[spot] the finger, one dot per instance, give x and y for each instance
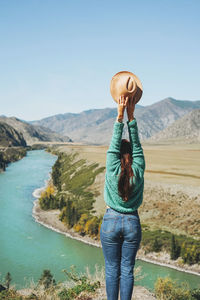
(132, 100)
(126, 102)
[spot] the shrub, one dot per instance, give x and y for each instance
(190, 253)
(47, 279)
(195, 293)
(157, 245)
(48, 199)
(167, 289)
(8, 280)
(82, 284)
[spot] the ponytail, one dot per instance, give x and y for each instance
(124, 186)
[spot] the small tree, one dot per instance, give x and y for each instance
(62, 203)
(8, 280)
(156, 245)
(175, 248)
(47, 279)
(190, 254)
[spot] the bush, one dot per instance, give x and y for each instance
(157, 245)
(82, 284)
(167, 289)
(9, 294)
(92, 226)
(89, 225)
(48, 199)
(190, 253)
(47, 279)
(196, 294)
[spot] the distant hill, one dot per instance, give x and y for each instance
(186, 128)
(156, 117)
(95, 126)
(10, 137)
(30, 133)
(91, 126)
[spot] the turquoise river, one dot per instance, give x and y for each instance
(27, 247)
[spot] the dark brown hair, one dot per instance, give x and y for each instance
(124, 186)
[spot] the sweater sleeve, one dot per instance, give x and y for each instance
(113, 153)
(137, 151)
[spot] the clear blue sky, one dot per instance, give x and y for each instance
(58, 56)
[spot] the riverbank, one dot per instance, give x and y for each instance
(50, 219)
(11, 154)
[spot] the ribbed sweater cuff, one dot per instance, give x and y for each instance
(132, 123)
(119, 124)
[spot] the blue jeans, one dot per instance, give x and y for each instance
(120, 236)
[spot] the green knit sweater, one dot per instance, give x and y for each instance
(113, 169)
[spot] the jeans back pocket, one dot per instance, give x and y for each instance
(108, 224)
(134, 224)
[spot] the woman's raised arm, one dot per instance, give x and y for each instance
(113, 153)
(137, 151)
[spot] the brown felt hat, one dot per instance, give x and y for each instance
(127, 84)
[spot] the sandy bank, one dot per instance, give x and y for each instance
(51, 220)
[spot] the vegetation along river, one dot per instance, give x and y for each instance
(27, 247)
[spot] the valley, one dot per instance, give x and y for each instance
(172, 191)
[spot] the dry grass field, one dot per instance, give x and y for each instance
(172, 185)
(176, 164)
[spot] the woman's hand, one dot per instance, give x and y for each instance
(122, 103)
(130, 108)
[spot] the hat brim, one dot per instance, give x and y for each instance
(115, 92)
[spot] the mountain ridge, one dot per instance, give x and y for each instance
(186, 128)
(94, 126)
(9, 136)
(29, 132)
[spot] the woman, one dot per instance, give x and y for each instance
(120, 232)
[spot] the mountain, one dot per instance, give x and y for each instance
(10, 137)
(95, 126)
(91, 126)
(156, 117)
(186, 128)
(33, 133)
